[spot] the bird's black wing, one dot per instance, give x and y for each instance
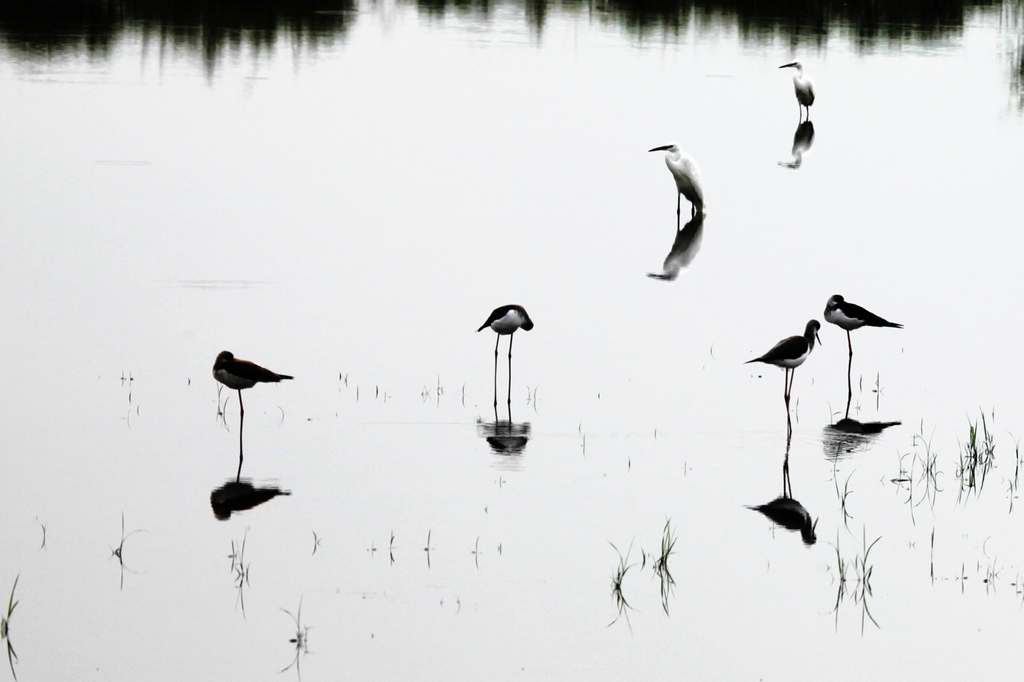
(497, 314)
(854, 311)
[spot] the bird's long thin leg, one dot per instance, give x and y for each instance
(497, 339)
(787, 488)
(241, 425)
(785, 387)
(789, 389)
(849, 376)
(679, 208)
(510, 337)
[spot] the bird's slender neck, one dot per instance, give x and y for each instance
(809, 335)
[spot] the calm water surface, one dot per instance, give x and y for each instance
(344, 193)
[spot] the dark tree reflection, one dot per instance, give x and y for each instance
(50, 28)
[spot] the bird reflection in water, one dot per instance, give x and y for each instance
(786, 511)
(802, 141)
(506, 438)
(848, 436)
(238, 495)
(684, 249)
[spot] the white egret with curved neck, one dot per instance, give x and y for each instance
(803, 86)
(689, 181)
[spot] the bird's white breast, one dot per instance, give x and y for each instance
(836, 317)
(793, 362)
(510, 322)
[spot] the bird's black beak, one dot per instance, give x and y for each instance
(660, 149)
(785, 65)
(819, 339)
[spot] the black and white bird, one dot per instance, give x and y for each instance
(803, 86)
(686, 173)
(790, 353)
(239, 375)
(850, 316)
(506, 321)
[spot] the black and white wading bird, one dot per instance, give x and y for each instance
(850, 316)
(689, 181)
(239, 375)
(790, 353)
(505, 321)
(803, 86)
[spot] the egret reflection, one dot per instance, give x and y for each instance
(684, 248)
(235, 496)
(802, 141)
(785, 511)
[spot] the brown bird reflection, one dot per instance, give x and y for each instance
(236, 495)
(684, 249)
(786, 511)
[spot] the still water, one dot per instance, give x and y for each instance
(343, 192)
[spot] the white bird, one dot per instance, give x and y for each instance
(686, 173)
(804, 87)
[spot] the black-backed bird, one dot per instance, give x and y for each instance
(790, 353)
(803, 86)
(686, 173)
(850, 316)
(239, 375)
(505, 321)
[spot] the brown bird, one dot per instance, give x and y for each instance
(241, 374)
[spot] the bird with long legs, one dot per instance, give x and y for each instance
(505, 321)
(239, 375)
(850, 316)
(789, 354)
(803, 86)
(689, 181)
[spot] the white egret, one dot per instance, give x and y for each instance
(689, 181)
(804, 87)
